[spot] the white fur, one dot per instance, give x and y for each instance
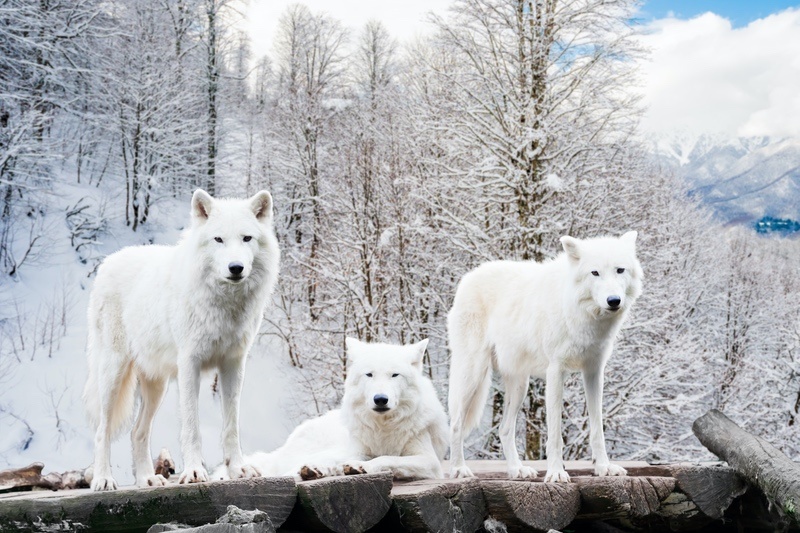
(161, 312)
(539, 319)
(409, 439)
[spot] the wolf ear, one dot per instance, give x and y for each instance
(630, 238)
(201, 205)
(419, 353)
(352, 346)
(571, 245)
(261, 203)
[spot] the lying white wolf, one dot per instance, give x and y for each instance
(390, 421)
(160, 312)
(539, 319)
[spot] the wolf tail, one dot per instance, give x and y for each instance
(470, 371)
(110, 387)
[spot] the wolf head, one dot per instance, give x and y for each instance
(232, 233)
(382, 379)
(607, 275)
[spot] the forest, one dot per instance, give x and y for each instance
(395, 168)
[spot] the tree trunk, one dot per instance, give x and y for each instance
(212, 72)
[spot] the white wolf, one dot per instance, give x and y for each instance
(539, 319)
(390, 421)
(160, 312)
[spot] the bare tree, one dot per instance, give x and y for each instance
(310, 73)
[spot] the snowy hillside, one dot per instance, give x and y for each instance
(741, 179)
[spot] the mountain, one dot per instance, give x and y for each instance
(743, 180)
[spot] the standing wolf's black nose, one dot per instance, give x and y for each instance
(236, 268)
(380, 400)
(614, 301)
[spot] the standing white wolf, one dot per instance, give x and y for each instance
(390, 421)
(160, 312)
(539, 319)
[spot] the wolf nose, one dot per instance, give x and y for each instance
(614, 301)
(380, 400)
(236, 268)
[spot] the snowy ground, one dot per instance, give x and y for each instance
(42, 417)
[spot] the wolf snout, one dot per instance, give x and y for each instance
(613, 302)
(236, 268)
(381, 401)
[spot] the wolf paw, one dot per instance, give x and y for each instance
(350, 470)
(609, 470)
(103, 483)
(523, 472)
(195, 474)
(243, 472)
(316, 471)
(556, 476)
(308, 473)
(461, 471)
(156, 480)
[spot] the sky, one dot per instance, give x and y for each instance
(724, 67)
(739, 12)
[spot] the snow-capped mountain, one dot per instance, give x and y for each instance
(742, 179)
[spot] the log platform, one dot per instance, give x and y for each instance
(675, 497)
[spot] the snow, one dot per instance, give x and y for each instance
(554, 182)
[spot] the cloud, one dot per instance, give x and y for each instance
(403, 20)
(704, 76)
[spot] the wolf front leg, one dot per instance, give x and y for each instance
(403, 467)
(418, 462)
(231, 379)
(188, 396)
(554, 401)
(593, 386)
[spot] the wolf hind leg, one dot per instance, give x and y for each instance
(114, 397)
(516, 388)
(152, 393)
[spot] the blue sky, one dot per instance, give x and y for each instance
(739, 12)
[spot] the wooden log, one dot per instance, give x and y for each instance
(440, 505)
(526, 505)
(30, 477)
(711, 488)
(755, 459)
(345, 504)
(622, 497)
(136, 509)
(24, 478)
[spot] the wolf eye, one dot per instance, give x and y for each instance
(369, 374)
(247, 238)
(218, 239)
(620, 270)
(595, 273)
(395, 375)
